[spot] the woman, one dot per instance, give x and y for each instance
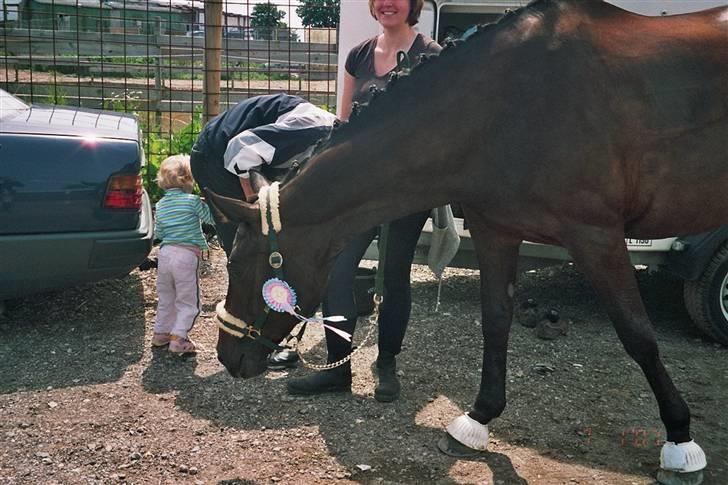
(367, 64)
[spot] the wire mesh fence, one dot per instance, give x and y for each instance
(147, 58)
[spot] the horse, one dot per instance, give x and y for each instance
(567, 122)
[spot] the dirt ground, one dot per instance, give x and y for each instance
(83, 398)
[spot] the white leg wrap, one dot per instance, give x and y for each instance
(469, 432)
(682, 457)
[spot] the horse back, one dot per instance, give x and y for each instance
(673, 101)
(632, 114)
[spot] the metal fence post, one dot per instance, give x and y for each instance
(156, 95)
(213, 58)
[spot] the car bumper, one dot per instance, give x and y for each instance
(39, 262)
(650, 252)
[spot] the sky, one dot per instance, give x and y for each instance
(246, 7)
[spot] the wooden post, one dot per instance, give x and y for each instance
(213, 59)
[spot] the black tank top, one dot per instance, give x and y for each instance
(360, 64)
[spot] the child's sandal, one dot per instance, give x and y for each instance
(179, 345)
(160, 339)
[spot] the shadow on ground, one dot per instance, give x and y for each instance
(578, 399)
(85, 335)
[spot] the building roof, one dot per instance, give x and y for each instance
(151, 5)
(75, 3)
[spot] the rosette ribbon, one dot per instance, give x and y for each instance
(280, 297)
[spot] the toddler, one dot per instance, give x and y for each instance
(178, 225)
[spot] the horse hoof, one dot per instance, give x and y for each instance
(669, 477)
(452, 447)
(681, 463)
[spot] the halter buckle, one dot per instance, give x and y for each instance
(275, 260)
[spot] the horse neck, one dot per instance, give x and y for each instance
(373, 177)
(405, 153)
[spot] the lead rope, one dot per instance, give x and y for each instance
(373, 318)
(332, 365)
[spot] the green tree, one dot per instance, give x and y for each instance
(265, 19)
(319, 13)
(286, 34)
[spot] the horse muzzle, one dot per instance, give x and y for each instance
(243, 358)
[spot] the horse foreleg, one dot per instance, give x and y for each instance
(602, 256)
(497, 258)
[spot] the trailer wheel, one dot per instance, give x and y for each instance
(706, 298)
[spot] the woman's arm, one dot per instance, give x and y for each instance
(346, 96)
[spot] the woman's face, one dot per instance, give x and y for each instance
(392, 13)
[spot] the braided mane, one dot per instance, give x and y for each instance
(360, 113)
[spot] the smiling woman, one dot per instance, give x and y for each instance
(368, 68)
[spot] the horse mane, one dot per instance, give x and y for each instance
(361, 113)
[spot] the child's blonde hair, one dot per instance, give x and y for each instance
(175, 173)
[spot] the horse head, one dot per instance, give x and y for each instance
(242, 350)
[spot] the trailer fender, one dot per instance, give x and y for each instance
(690, 263)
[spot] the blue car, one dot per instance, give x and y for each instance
(72, 205)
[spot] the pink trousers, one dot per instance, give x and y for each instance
(178, 290)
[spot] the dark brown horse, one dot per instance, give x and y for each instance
(569, 122)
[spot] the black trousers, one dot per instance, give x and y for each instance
(211, 174)
(394, 312)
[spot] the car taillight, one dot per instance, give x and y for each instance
(124, 192)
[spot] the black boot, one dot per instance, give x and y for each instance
(337, 379)
(387, 389)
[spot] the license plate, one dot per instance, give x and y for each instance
(639, 242)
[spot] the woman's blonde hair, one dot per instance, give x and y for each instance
(175, 173)
(414, 13)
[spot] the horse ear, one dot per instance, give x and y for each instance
(257, 180)
(232, 210)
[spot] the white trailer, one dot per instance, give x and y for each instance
(442, 17)
(701, 260)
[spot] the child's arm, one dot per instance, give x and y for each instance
(158, 231)
(203, 212)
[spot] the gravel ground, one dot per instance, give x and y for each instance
(84, 399)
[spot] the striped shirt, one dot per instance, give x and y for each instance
(178, 219)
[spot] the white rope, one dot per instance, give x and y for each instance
(263, 205)
(269, 195)
(373, 322)
(275, 213)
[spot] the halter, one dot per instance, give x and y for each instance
(269, 204)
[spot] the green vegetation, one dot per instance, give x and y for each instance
(319, 13)
(57, 95)
(125, 101)
(143, 60)
(157, 144)
(143, 68)
(328, 107)
(158, 147)
(265, 19)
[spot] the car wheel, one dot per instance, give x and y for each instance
(706, 298)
